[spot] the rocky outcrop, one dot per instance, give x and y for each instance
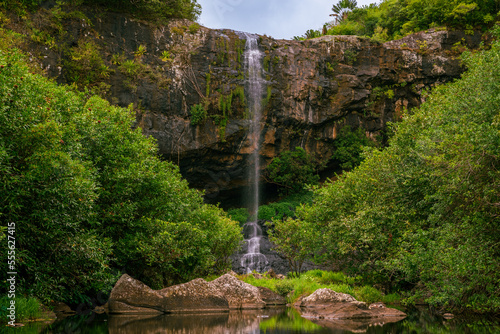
(195, 296)
(134, 297)
(240, 295)
(130, 296)
(313, 88)
(328, 304)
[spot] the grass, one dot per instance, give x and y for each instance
(293, 288)
(26, 309)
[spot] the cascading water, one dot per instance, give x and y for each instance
(253, 259)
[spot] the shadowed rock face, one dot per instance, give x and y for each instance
(313, 89)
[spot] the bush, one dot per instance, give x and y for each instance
(90, 193)
(293, 170)
(349, 147)
(284, 287)
(368, 294)
(240, 215)
(26, 308)
(198, 114)
(421, 213)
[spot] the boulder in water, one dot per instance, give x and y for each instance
(328, 304)
(195, 296)
(134, 297)
(239, 294)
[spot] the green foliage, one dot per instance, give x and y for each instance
(292, 240)
(90, 197)
(284, 287)
(369, 294)
(198, 114)
(294, 287)
(141, 51)
(193, 28)
(153, 10)
(422, 215)
(240, 215)
(349, 147)
(293, 170)
(342, 8)
(85, 66)
(27, 308)
(350, 56)
(392, 19)
(167, 57)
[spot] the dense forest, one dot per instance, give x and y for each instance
(420, 216)
(91, 199)
(393, 19)
(89, 196)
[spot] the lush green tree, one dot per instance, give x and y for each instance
(392, 19)
(147, 9)
(342, 9)
(185, 9)
(293, 170)
(293, 240)
(423, 214)
(90, 197)
(349, 147)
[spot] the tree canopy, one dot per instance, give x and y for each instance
(422, 215)
(90, 197)
(393, 19)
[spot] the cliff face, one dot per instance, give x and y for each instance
(313, 88)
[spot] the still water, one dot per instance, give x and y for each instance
(270, 321)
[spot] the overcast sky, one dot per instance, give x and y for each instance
(275, 18)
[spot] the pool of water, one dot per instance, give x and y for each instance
(269, 321)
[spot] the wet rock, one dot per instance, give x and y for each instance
(240, 295)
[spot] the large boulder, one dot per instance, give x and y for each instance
(195, 296)
(328, 304)
(240, 295)
(130, 296)
(134, 297)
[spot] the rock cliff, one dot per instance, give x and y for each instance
(313, 88)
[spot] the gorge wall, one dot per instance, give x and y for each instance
(314, 88)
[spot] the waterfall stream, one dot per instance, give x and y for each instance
(253, 259)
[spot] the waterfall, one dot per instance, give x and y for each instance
(253, 259)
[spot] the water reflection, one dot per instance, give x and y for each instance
(238, 322)
(269, 321)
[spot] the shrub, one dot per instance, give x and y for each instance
(349, 146)
(198, 114)
(89, 192)
(293, 170)
(368, 294)
(240, 215)
(284, 287)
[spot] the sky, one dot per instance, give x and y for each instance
(281, 19)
